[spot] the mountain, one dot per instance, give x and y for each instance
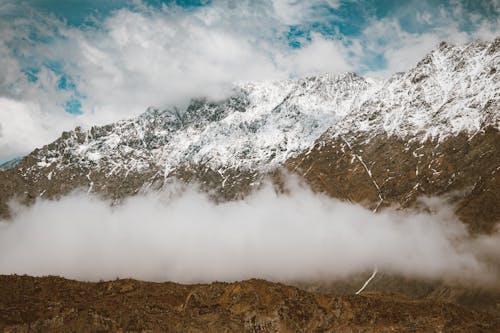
(433, 130)
(430, 131)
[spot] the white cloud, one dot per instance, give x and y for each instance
(280, 237)
(293, 12)
(402, 49)
(23, 125)
(320, 56)
(424, 17)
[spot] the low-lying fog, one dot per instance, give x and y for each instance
(188, 238)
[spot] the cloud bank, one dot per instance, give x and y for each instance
(187, 238)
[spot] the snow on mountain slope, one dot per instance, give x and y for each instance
(259, 127)
(452, 90)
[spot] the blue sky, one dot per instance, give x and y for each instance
(353, 13)
(66, 62)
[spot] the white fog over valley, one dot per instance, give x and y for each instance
(181, 235)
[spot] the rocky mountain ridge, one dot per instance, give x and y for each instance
(430, 131)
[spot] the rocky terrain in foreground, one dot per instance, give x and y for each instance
(60, 305)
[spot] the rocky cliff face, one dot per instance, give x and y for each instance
(433, 130)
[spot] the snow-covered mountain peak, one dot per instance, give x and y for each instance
(453, 89)
(260, 126)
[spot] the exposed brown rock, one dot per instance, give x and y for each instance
(389, 170)
(60, 305)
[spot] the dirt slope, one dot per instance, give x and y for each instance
(59, 305)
